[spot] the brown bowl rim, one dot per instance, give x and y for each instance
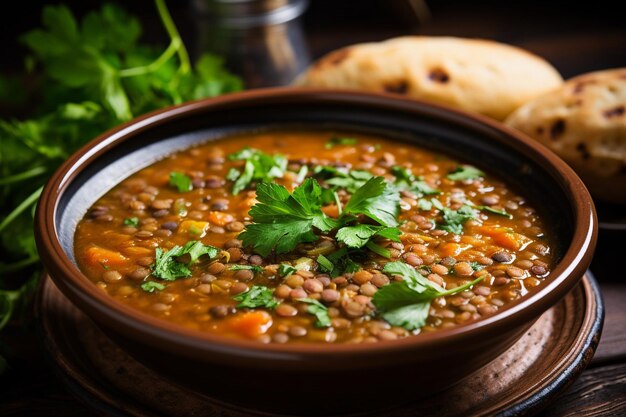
(83, 292)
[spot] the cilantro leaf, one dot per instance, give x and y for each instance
(350, 180)
(357, 236)
(465, 172)
(285, 270)
(334, 141)
(495, 211)
(283, 220)
(169, 268)
(405, 180)
(340, 261)
(407, 303)
(166, 267)
(377, 200)
(319, 310)
(255, 297)
(453, 219)
(131, 221)
(254, 268)
(259, 166)
(152, 286)
(180, 181)
(424, 204)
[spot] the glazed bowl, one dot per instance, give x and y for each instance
(315, 378)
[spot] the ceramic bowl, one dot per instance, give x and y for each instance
(315, 378)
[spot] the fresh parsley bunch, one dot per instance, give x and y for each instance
(90, 75)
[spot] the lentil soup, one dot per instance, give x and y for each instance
(314, 236)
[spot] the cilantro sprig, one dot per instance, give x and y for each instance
(465, 172)
(319, 310)
(283, 220)
(83, 77)
(407, 303)
(259, 166)
(256, 297)
(181, 181)
(337, 140)
(172, 264)
(406, 181)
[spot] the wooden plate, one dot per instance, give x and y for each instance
(521, 381)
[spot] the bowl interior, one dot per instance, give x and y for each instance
(466, 139)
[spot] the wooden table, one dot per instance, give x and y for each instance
(576, 39)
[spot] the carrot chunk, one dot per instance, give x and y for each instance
(251, 324)
(95, 255)
(220, 218)
(506, 238)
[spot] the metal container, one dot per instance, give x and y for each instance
(261, 40)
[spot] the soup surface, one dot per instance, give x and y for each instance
(318, 236)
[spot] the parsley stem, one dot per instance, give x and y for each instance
(23, 175)
(154, 65)
(16, 266)
(8, 297)
(30, 200)
(170, 27)
(338, 202)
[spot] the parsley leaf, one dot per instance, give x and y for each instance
(377, 200)
(319, 310)
(334, 141)
(405, 180)
(453, 219)
(357, 236)
(495, 211)
(325, 263)
(341, 261)
(350, 180)
(152, 286)
(424, 204)
(285, 270)
(259, 166)
(168, 267)
(465, 172)
(257, 296)
(283, 220)
(254, 268)
(407, 303)
(131, 221)
(180, 181)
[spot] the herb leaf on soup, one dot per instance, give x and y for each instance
(465, 172)
(377, 200)
(258, 166)
(256, 297)
(453, 220)
(336, 140)
(406, 303)
(152, 286)
(254, 268)
(319, 310)
(131, 221)
(180, 181)
(169, 268)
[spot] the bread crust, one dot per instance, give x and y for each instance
(584, 122)
(476, 75)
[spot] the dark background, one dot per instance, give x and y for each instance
(576, 37)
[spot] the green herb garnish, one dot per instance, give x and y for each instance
(168, 267)
(259, 167)
(254, 268)
(152, 286)
(285, 270)
(180, 181)
(495, 211)
(335, 141)
(319, 310)
(357, 236)
(255, 297)
(407, 303)
(453, 220)
(131, 221)
(325, 263)
(283, 220)
(406, 181)
(349, 180)
(465, 172)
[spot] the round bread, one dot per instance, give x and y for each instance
(584, 122)
(469, 74)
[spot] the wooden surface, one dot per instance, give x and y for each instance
(576, 38)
